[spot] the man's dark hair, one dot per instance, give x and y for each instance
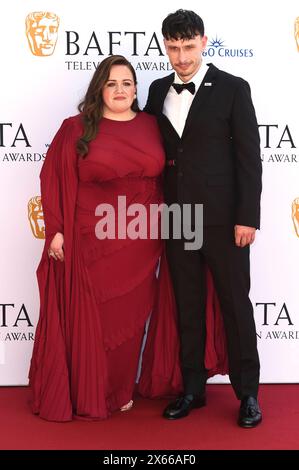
(182, 24)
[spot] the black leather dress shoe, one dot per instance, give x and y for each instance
(250, 414)
(183, 405)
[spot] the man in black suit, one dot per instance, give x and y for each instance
(211, 139)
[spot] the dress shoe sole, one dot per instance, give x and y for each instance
(248, 426)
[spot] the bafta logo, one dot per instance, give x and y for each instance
(42, 32)
(36, 217)
(295, 215)
(296, 32)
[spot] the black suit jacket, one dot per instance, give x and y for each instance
(217, 158)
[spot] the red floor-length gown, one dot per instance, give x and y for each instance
(95, 304)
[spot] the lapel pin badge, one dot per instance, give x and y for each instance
(207, 84)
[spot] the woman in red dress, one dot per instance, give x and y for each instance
(97, 294)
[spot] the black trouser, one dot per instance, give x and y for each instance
(230, 269)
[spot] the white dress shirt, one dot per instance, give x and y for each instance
(176, 106)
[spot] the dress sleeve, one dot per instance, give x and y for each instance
(59, 179)
(49, 376)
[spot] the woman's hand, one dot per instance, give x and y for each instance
(56, 247)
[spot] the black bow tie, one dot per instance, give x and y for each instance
(188, 86)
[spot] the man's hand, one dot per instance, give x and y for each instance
(244, 235)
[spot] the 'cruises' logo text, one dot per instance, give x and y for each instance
(217, 48)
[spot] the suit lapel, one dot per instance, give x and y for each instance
(165, 84)
(202, 95)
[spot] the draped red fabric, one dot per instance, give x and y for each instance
(94, 305)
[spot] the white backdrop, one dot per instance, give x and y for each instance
(38, 92)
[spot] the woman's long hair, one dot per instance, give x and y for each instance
(92, 105)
